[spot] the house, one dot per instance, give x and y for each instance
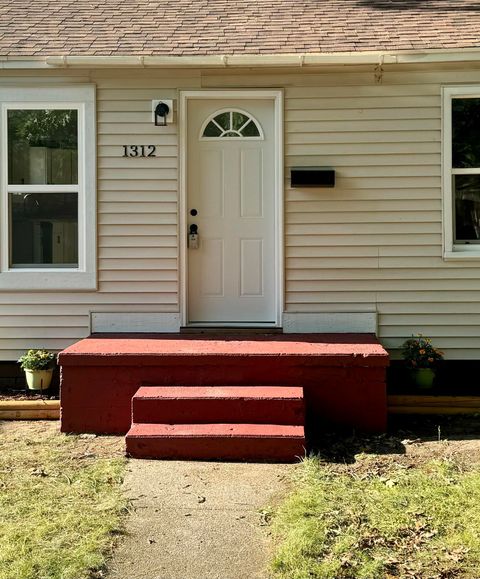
(304, 167)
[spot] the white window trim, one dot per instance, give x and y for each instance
(452, 251)
(83, 277)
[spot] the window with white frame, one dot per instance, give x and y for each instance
(461, 171)
(228, 123)
(48, 182)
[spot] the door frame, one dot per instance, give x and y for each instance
(251, 94)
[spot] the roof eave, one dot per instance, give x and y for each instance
(245, 60)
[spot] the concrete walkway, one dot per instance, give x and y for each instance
(198, 520)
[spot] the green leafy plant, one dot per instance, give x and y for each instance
(419, 353)
(37, 360)
(43, 128)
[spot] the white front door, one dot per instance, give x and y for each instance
(231, 202)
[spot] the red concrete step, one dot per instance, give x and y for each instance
(343, 375)
(227, 404)
(270, 442)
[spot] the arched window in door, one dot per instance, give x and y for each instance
(231, 123)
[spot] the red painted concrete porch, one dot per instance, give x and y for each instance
(343, 375)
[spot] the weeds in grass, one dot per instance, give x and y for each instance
(58, 511)
(410, 522)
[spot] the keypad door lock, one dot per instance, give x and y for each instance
(193, 241)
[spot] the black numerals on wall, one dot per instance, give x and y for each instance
(139, 151)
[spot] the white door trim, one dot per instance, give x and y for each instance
(277, 97)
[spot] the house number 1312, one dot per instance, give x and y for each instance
(139, 150)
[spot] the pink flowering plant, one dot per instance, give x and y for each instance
(419, 353)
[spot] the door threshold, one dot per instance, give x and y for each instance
(230, 330)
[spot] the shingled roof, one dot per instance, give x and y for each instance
(230, 27)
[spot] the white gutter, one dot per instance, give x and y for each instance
(245, 60)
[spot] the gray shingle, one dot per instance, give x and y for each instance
(203, 27)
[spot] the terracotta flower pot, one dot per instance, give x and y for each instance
(39, 379)
(423, 378)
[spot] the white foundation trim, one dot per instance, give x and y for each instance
(144, 322)
(339, 323)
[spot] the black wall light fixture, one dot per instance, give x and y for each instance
(312, 177)
(161, 113)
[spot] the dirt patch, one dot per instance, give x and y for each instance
(411, 442)
(24, 395)
(466, 454)
(87, 445)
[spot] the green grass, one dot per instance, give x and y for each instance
(420, 522)
(59, 510)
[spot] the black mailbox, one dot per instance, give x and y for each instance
(312, 177)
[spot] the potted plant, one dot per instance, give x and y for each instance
(421, 358)
(38, 366)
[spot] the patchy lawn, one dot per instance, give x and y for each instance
(383, 507)
(60, 501)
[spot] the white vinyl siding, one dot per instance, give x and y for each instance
(371, 244)
(374, 243)
(137, 213)
(137, 242)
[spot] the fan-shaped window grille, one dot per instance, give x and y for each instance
(231, 123)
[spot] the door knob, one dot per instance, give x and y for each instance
(193, 229)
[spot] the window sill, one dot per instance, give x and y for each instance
(462, 255)
(46, 280)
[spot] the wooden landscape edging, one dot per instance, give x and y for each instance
(29, 409)
(397, 404)
(417, 404)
